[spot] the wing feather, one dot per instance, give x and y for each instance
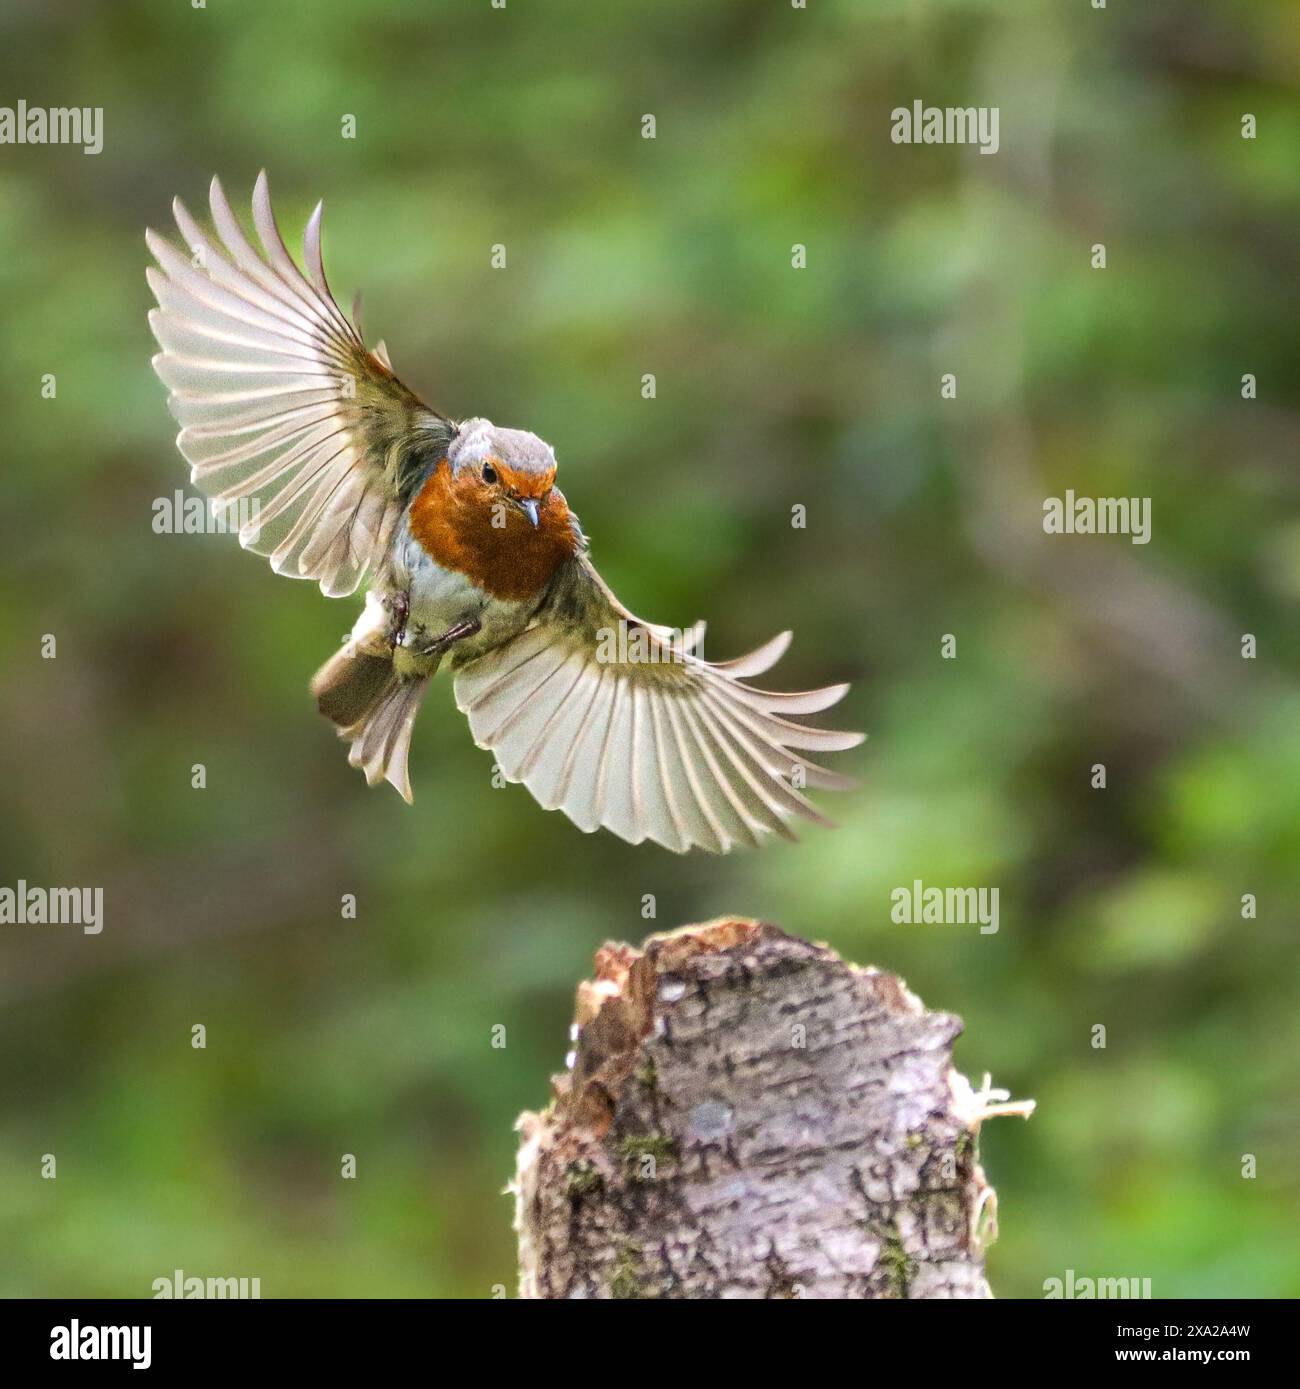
(678, 831)
(758, 661)
(713, 837)
(651, 806)
(543, 769)
(662, 745)
(246, 259)
(762, 795)
(812, 774)
(772, 768)
(524, 715)
(279, 402)
(586, 766)
(803, 702)
(728, 807)
(563, 709)
(614, 803)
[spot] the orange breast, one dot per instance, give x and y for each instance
(513, 560)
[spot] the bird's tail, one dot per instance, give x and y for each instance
(374, 708)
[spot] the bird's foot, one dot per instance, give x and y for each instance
(450, 637)
(398, 607)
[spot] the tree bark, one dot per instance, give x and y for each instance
(746, 1115)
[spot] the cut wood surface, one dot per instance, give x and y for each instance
(746, 1115)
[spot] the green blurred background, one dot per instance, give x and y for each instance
(775, 387)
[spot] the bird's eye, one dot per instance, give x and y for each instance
(489, 474)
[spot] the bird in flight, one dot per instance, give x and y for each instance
(470, 553)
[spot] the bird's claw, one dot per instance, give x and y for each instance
(398, 606)
(452, 635)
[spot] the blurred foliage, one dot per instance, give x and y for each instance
(776, 387)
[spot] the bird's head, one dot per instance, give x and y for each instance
(491, 510)
(506, 469)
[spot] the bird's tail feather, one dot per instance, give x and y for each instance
(375, 711)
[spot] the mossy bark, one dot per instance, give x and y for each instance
(746, 1115)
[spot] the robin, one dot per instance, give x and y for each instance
(471, 554)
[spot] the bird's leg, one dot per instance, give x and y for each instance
(398, 606)
(452, 635)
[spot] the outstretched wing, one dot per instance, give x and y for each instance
(278, 399)
(616, 723)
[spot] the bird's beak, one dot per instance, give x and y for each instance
(529, 508)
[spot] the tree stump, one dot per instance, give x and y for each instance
(746, 1115)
